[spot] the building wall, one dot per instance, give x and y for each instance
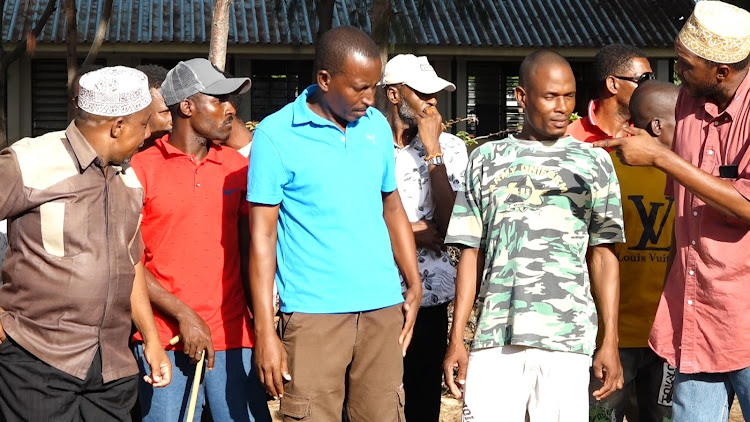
(451, 105)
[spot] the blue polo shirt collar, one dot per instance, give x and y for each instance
(302, 114)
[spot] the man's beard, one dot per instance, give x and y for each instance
(711, 92)
(406, 113)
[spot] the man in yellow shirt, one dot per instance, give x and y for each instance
(644, 259)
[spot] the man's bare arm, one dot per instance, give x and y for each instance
(430, 127)
(443, 197)
(143, 318)
(243, 227)
(405, 253)
(195, 334)
(643, 150)
(468, 278)
(605, 283)
(270, 355)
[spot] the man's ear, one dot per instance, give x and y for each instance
(520, 96)
(722, 71)
(117, 127)
(655, 126)
(186, 107)
(393, 94)
(324, 80)
(612, 84)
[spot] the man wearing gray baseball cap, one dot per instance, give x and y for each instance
(194, 221)
(199, 76)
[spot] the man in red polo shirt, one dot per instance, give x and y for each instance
(194, 223)
(618, 69)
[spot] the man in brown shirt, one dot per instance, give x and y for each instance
(65, 308)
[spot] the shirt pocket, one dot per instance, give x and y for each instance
(64, 228)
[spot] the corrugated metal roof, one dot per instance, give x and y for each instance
(471, 23)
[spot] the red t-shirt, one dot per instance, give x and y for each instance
(190, 215)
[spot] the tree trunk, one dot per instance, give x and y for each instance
(219, 34)
(71, 39)
(7, 58)
(101, 33)
(381, 18)
(325, 16)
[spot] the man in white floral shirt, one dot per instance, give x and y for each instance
(430, 166)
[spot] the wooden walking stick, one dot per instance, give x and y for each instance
(196, 381)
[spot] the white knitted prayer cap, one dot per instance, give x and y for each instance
(717, 31)
(113, 91)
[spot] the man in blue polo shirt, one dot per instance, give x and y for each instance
(327, 221)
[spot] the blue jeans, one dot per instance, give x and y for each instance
(708, 397)
(232, 389)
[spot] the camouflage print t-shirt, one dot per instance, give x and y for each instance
(535, 207)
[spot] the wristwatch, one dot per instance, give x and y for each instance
(436, 161)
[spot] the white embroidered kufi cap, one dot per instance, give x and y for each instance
(718, 32)
(114, 91)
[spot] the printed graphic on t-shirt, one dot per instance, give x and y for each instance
(649, 218)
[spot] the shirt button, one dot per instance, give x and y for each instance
(716, 123)
(343, 139)
(693, 242)
(691, 272)
(198, 184)
(690, 302)
(695, 213)
(710, 152)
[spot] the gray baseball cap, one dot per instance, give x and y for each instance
(199, 75)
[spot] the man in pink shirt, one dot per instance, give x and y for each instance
(706, 301)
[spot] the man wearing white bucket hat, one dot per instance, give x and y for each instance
(74, 214)
(430, 166)
(705, 305)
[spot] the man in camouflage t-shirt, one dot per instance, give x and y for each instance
(531, 208)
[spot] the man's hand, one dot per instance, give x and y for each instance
(608, 370)
(196, 337)
(429, 127)
(427, 236)
(271, 360)
(455, 357)
(640, 149)
(410, 308)
(159, 364)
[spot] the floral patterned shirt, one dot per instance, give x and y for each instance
(412, 177)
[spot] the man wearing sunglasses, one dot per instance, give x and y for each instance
(620, 69)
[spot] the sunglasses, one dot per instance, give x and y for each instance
(648, 76)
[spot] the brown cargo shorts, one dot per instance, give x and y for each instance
(337, 358)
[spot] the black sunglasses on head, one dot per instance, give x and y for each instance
(648, 76)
